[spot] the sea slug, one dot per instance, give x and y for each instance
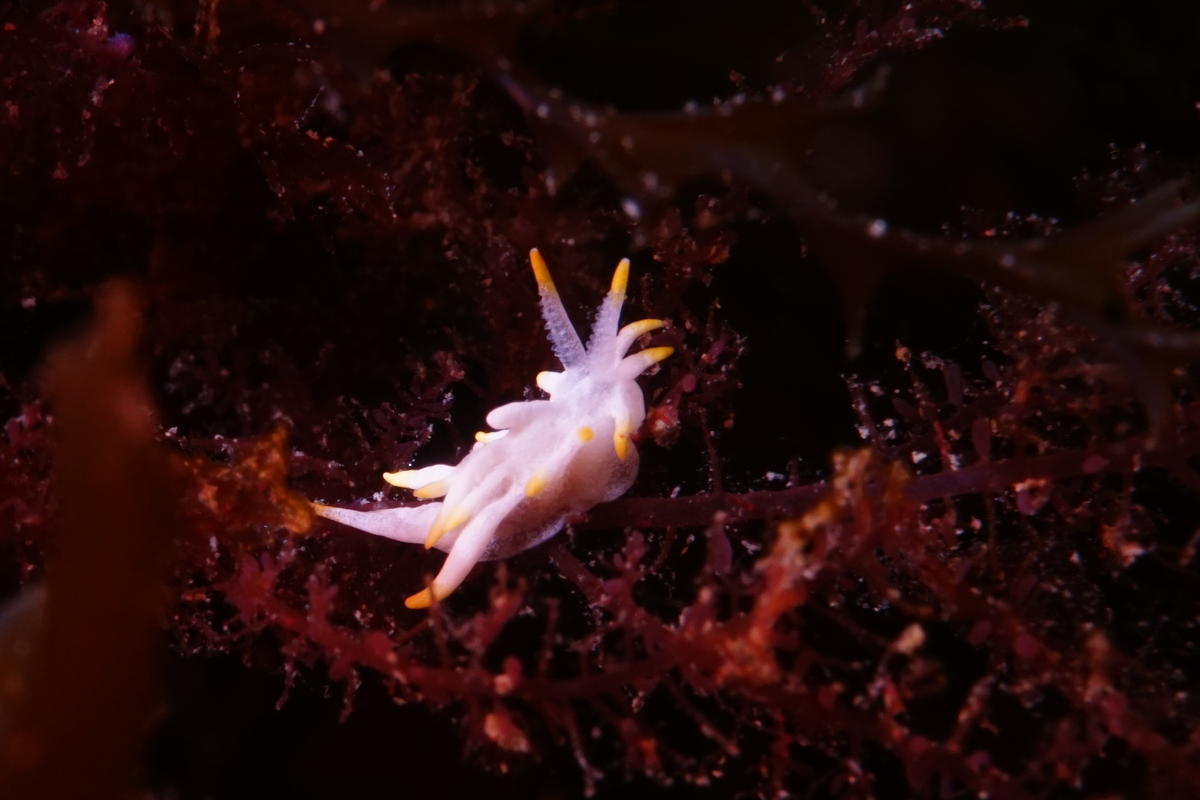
(545, 461)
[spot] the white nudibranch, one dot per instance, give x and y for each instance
(545, 462)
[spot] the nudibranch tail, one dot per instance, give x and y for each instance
(404, 524)
(563, 338)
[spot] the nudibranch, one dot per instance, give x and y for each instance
(545, 461)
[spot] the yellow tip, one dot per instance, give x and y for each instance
(621, 440)
(540, 272)
(535, 485)
(483, 437)
(435, 532)
(642, 327)
(422, 599)
(657, 354)
(431, 490)
(585, 434)
(620, 279)
(443, 524)
(401, 479)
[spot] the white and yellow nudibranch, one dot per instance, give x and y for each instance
(546, 460)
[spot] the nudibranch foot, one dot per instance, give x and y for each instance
(544, 462)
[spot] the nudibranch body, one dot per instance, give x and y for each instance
(544, 462)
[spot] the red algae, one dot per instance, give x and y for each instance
(954, 556)
(80, 666)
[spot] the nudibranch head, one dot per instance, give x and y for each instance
(544, 462)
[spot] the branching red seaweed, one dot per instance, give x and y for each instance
(918, 506)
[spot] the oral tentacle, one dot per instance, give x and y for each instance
(630, 333)
(639, 362)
